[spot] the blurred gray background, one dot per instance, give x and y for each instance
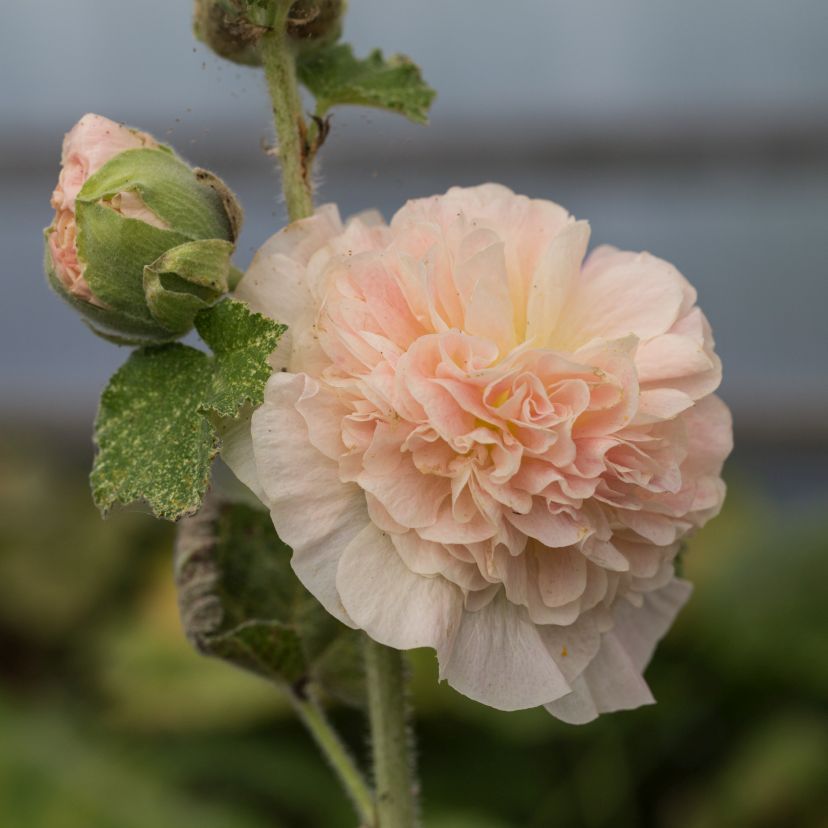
(698, 131)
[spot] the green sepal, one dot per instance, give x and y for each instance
(335, 76)
(185, 280)
(118, 327)
(232, 207)
(240, 601)
(153, 443)
(241, 341)
(115, 250)
(186, 200)
(157, 426)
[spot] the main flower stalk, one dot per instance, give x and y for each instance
(280, 70)
(396, 804)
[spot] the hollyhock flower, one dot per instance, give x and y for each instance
(479, 441)
(139, 241)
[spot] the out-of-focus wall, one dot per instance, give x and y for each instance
(697, 130)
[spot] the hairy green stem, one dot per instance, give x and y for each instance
(292, 132)
(314, 719)
(396, 800)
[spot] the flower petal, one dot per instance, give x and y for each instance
(313, 511)
(613, 679)
(499, 658)
(552, 281)
(610, 682)
(237, 452)
(275, 283)
(392, 604)
(621, 294)
(639, 630)
(489, 311)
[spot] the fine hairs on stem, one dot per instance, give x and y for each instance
(291, 130)
(339, 758)
(391, 739)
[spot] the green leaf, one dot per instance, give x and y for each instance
(240, 601)
(335, 76)
(156, 429)
(153, 443)
(241, 341)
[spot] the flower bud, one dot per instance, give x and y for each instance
(227, 30)
(140, 241)
(314, 22)
(233, 28)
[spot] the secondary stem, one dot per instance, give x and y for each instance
(331, 745)
(396, 802)
(291, 130)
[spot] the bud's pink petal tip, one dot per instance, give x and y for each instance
(91, 142)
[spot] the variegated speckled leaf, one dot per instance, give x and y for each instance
(155, 432)
(241, 341)
(154, 445)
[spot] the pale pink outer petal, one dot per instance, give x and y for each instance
(392, 604)
(443, 210)
(621, 294)
(237, 452)
(314, 512)
(276, 282)
(609, 683)
(573, 646)
(669, 356)
(638, 630)
(91, 142)
(710, 436)
(612, 680)
(499, 658)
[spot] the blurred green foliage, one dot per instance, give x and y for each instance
(110, 720)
